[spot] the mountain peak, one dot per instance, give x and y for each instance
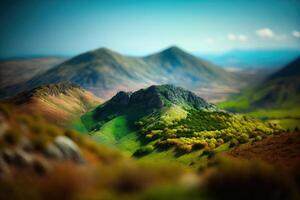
(103, 50)
(158, 96)
(173, 50)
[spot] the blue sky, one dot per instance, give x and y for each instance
(34, 27)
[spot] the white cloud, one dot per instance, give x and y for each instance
(234, 37)
(296, 34)
(231, 36)
(265, 33)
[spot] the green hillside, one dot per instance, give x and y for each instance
(169, 122)
(276, 98)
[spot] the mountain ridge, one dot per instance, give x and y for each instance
(104, 72)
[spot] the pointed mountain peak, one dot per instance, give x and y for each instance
(173, 50)
(170, 53)
(100, 53)
(104, 50)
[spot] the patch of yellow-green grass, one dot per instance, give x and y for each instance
(275, 113)
(241, 104)
(195, 159)
(286, 123)
(286, 118)
(173, 113)
(222, 148)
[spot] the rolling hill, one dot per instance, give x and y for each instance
(104, 72)
(59, 103)
(168, 122)
(278, 96)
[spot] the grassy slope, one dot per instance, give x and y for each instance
(275, 99)
(285, 112)
(114, 133)
(288, 118)
(117, 133)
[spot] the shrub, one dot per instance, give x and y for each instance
(184, 148)
(198, 146)
(143, 151)
(258, 138)
(234, 142)
(244, 138)
(220, 141)
(212, 145)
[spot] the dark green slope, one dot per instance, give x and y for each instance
(279, 91)
(276, 99)
(169, 119)
(105, 72)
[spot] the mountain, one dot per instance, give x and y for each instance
(276, 98)
(104, 72)
(169, 121)
(59, 103)
(14, 71)
(279, 90)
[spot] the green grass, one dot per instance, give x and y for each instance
(275, 113)
(290, 124)
(233, 105)
(77, 125)
(195, 159)
(116, 133)
(286, 118)
(87, 120)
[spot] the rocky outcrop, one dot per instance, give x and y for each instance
(69, 149)
(156, 97)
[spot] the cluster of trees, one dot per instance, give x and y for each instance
(203, 130)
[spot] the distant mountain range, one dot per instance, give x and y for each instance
(253, 59)
(104, 72)
(18, 70)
